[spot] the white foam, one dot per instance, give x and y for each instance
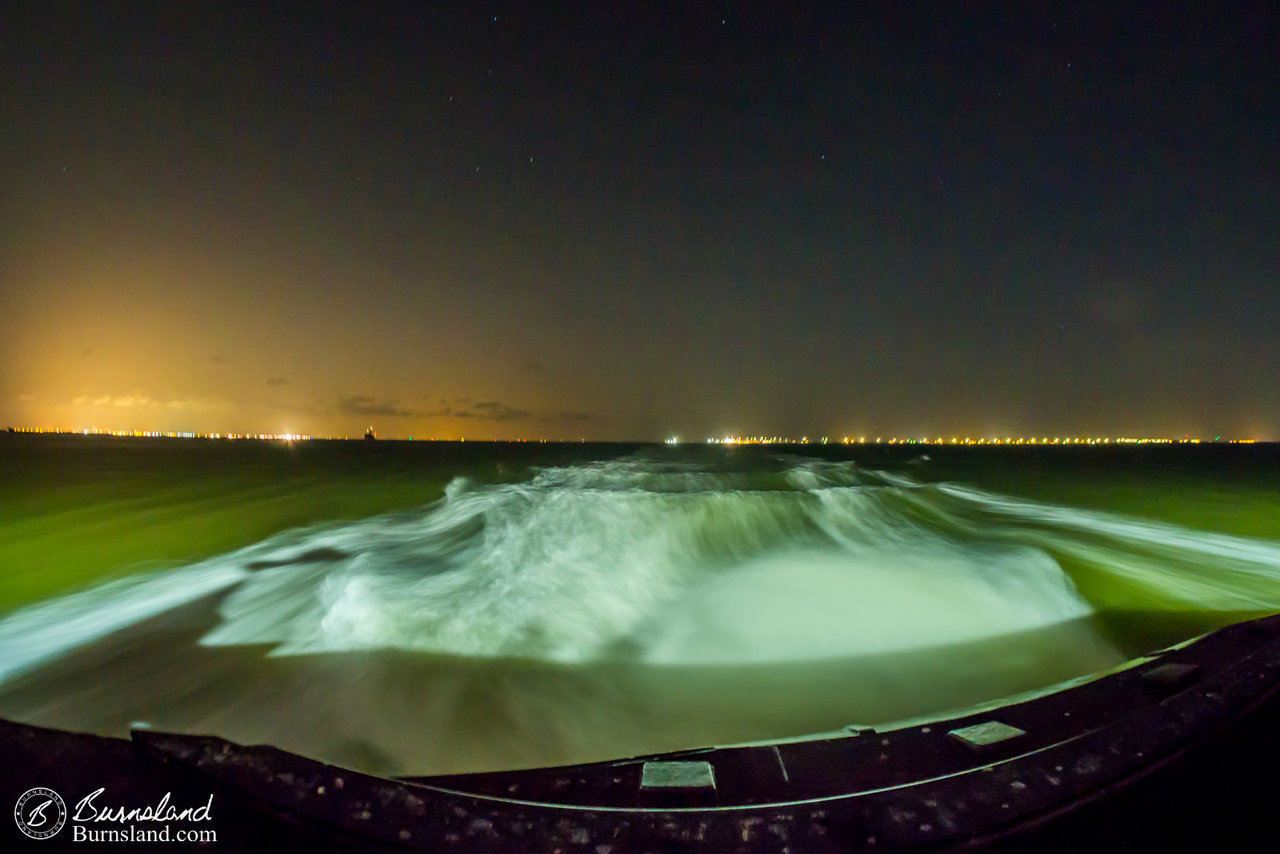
(829, 604)
(533, 570)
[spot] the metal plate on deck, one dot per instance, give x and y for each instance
(985, 734)
(683, 775)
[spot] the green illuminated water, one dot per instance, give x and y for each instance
(419, 608)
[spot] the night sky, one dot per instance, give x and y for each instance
(624, 221)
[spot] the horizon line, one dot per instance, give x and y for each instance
(727, 440)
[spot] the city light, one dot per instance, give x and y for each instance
(164, 434)
(726, 439)
(983, 440)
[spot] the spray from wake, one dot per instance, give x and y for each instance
(599, 562)
(673, 563)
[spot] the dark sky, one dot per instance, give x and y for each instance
(623, 221)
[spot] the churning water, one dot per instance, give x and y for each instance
(611, 608)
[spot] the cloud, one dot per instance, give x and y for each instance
(362, 405)
(316, 408)
(277, 381)
(496, 410)
(142, 401)
(487, 410)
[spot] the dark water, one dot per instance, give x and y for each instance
(419, 608)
